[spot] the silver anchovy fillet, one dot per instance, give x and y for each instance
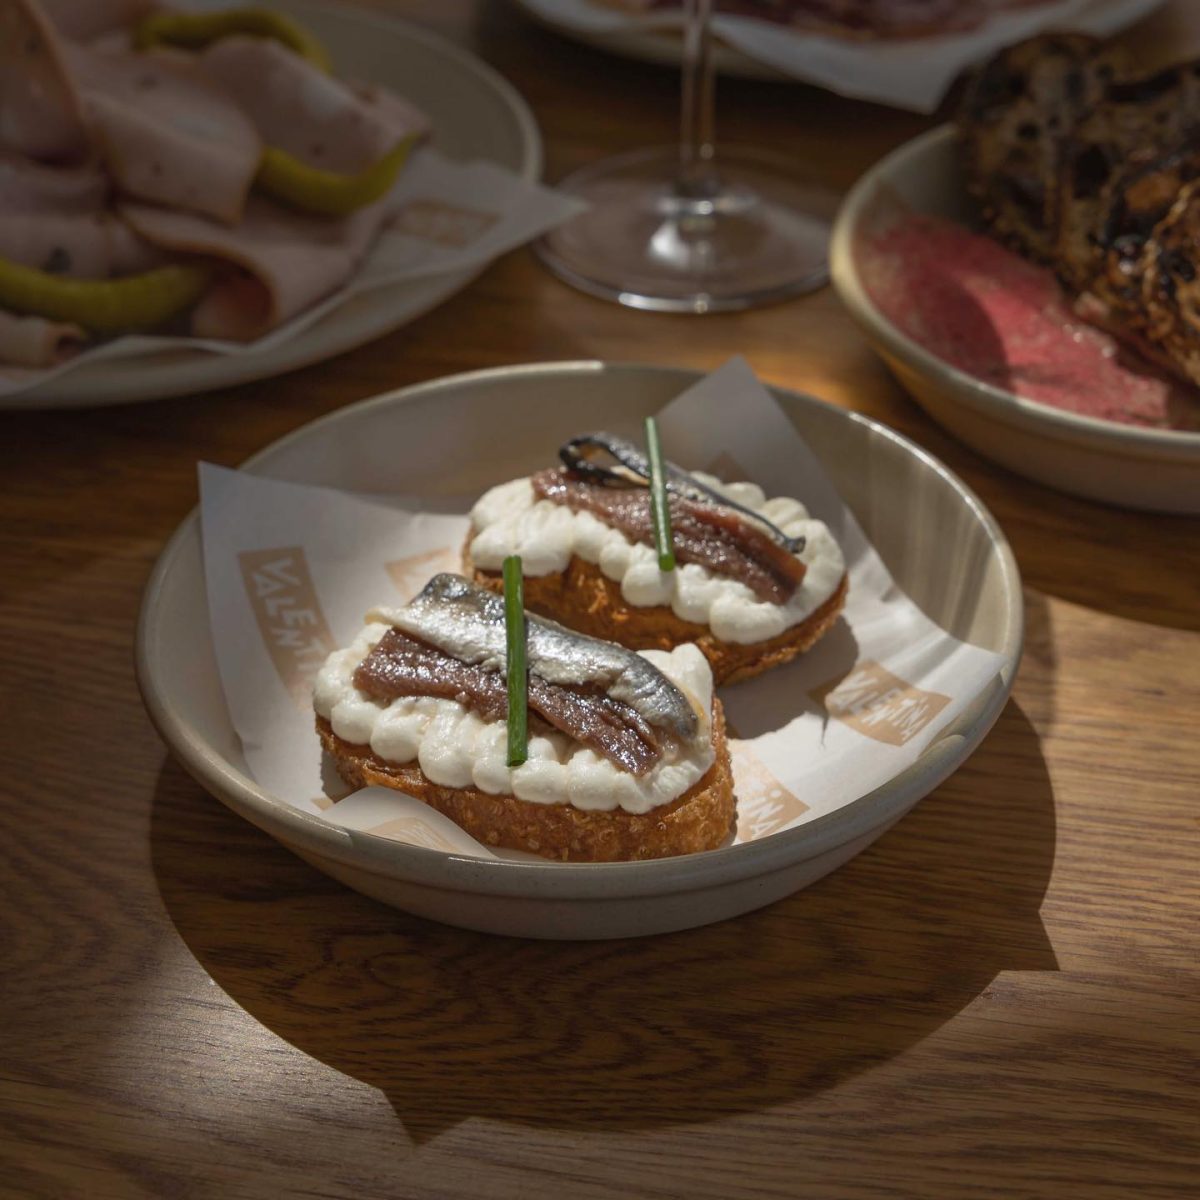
(632, 466)
(467, 622)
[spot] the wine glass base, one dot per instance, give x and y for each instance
(760, 237)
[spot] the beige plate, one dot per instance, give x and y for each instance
(467, 432)
(648, 40)
(663, 47)
(476, 114)
(1100, 460)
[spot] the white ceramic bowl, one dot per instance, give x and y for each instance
(468, 432)
(1100, 460)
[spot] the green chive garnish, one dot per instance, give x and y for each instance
(660, 508)
(518, 682)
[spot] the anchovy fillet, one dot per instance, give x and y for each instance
(581, 455)
(718, 539)
(467, 623)
(401, 666)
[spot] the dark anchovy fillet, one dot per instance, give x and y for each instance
(402, 666)
(612, 728)
(582, 455)
(701, 532)
(467, 623)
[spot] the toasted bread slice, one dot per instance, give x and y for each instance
(582, 597)
(1170, 278)
(1142, 197)
(1137, 120)
(1015, 119)
(698, 820)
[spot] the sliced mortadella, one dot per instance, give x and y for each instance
(296, 107)
(286, 261)
(58, 219)
(34, 341)
(130, 253)
(397, 116)
(82, 20)
(168, 135)
(40, 113)
(28, 186)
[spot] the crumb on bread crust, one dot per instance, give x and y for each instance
(698, 820)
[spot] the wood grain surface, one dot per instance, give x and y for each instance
(997, 999)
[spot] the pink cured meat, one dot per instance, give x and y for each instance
(1002, 320)
(35, 342)
(296, 107)
(40, 114)
(58, 219)
(287, 261)
(166, 132)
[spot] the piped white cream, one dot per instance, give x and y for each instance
(509, 519)
(456, 748)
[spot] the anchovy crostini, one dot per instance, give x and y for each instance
(757, 581)
(626, 752)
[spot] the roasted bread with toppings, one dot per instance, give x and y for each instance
(625, 757)
(1170, 291)
(756, 581)
(1090, 169)
(1136, 122)
(1140, 199)
(1016, 116)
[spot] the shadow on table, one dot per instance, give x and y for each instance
(1136, 566)
(687, 1027)
(1142, 567)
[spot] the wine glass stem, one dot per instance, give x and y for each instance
(697, 167)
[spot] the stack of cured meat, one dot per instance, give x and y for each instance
(202, 173)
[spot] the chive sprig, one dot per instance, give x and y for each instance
(660, 507)
(518, 677)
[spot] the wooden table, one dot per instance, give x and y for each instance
(999, 998)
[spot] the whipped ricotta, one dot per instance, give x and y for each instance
(510, 519)
(457, 748)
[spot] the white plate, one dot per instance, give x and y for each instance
(462, 434)
(663, 47)
(839, 64)
(1100, 460)
(476, 114)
